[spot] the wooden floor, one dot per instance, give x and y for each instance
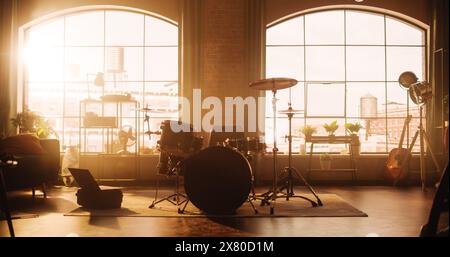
(391, 211)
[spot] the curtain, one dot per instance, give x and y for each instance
(7, 61)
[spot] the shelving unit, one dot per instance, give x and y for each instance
(107, 117)
(347, 140)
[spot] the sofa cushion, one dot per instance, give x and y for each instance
(22, 144)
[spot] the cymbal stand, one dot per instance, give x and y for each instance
(288, 182)
(269, 197)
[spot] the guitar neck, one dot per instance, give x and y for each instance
(402, 137)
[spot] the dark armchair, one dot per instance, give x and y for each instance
(34, 170)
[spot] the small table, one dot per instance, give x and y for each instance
(347, 140)
(3, 196)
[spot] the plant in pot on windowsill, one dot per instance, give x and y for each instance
(308, 131)
(325, 161)
(355, 146)
(331, 128)
(30, 122)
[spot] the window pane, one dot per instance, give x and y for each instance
(326, 100)
(366, 100)
(81, 61)
(401, 33)
(85, 29)
(325, 63)
(75, 92)
(297, 100)
(285, 62)
(401, 59)
(325, 28)
(365, 63)
(282, 132)
(45, 63)
(124, 28)
(46, 98)
(47, 34)
(397, 100)
(364, 28)
(125, 63)
(71, 132)
(289, 32)
(161, 63)
(159, 32)
(162, 96)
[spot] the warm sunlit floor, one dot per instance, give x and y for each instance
(392, 212)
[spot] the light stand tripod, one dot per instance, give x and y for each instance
(423, 138)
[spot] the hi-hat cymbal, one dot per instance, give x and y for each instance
(291, 111)
(273, 84)
(152, 110)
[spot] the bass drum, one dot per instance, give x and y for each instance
(217, 180)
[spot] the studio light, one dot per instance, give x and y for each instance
(419, 92)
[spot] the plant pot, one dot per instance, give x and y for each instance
(325, 164)
(355, 146)
(303, 149)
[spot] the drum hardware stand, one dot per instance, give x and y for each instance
(176, 198)
(287, 183)
(289, 180)
(269, 197)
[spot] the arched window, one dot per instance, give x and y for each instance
(347, 63)
(137, 52)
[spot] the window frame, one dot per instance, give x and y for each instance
(424, 28)
(22, 70)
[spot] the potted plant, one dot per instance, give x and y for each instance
(26, 121)
(331, 128)
(325, 161)
(30, 122)
(308, 131)
(355, 146)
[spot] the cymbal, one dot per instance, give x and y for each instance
(291, 111)
(151, 110)
(273, 84)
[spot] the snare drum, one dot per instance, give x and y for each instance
(178, 143)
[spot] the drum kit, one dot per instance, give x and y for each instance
(218, 179)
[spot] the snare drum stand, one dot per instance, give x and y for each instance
(178, 199)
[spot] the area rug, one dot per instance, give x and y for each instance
(135, 204)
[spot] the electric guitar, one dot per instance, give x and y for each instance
(397, 163)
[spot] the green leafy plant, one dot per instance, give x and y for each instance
(353, 128)
(331, 127)
(325, 157)
(31, 122)
(26, 121)
(308, 130)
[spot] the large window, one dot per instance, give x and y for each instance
(137, 53)
(347, 63)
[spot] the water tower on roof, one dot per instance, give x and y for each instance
(368, 109)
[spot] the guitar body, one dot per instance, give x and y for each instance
(397, 164)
